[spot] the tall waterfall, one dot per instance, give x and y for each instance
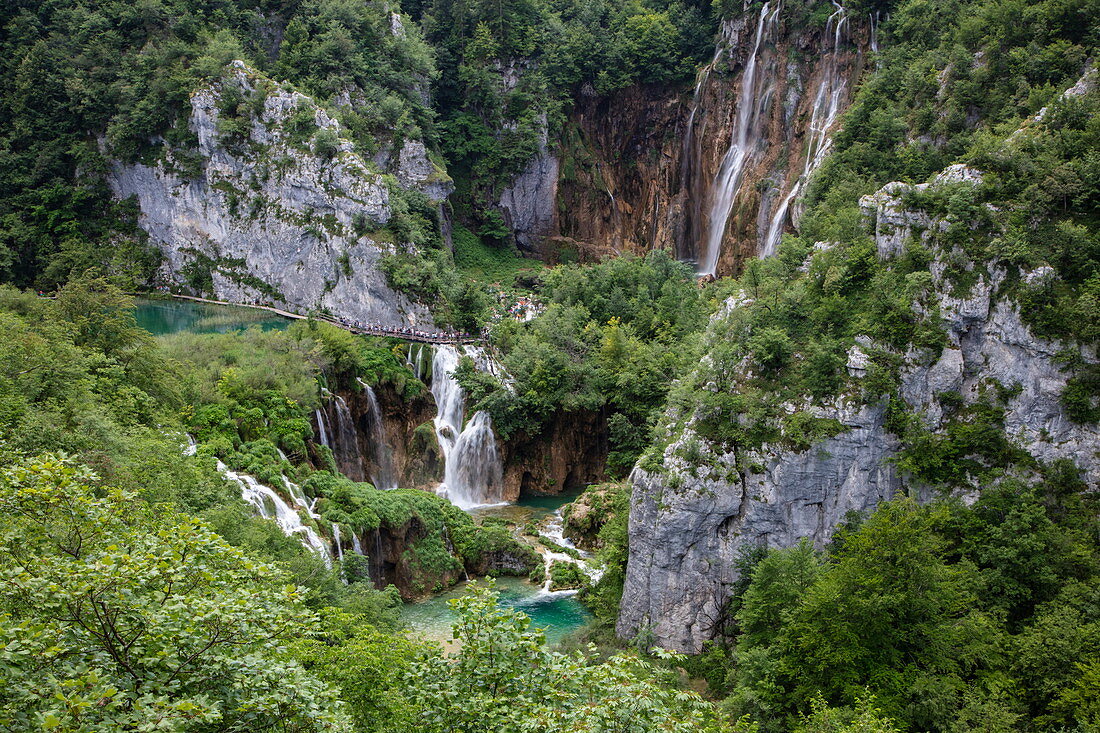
(689, 158)
(322, 431)
(826, 108)
(743, 147)
(384, 476)
(343, 440)
(473, 474)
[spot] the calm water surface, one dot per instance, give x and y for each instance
(165, 317)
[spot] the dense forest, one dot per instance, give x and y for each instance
(188, 541)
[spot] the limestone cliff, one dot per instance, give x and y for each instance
(695, 509)
(273, 204)
(647, 167)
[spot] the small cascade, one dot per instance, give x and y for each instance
(270, 505)
(384, 475)
(356, 544)
(322, 432)
(473, 474)
(554, 530)
(826, 109)
(415, 358)
(345, 441)
(747, 133)
(336, 541)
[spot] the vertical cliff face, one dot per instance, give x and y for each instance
(570, 453)
(662, 167)
(701, 504)
(272, 204)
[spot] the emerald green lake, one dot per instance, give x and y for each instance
(557, 614)
(165, 317)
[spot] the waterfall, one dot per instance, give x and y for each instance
(689, 155)
(270, 505)
(345, 441)
(473, 473)
(826, 109)
(746, 141)
(414, 357)
(384, 476)
(356, 544)
(336, 541)
(322, 433)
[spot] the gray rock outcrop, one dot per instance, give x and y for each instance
(690, 520)
(275, 206)
(530, 201)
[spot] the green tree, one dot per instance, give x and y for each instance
(116, 615)
(502, 679)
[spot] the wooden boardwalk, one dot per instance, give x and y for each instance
(409, 334)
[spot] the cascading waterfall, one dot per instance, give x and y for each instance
(554, 530)
(345, 441)
(384, 476)
(746, 142)
(322, 431)
(414, 357)
(473, 474)
(270, 505)
(826, 108)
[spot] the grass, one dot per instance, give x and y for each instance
(488, 264)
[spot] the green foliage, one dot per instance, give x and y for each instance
(366, 665)
(611, 337)
(117, 615)
(487, 263)
(941, 618)
(502, 679)
(566, 576)
(602, 598)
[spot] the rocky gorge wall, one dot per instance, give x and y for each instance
(640, 169)
(691, 518)
(267, 213)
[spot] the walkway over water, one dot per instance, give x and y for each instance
(363, 329)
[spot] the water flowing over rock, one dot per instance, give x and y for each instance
(746, 143)
(345, 439)
(270, 505)
(827, 106)
(234, 225)
(383, 475)
(473, 472)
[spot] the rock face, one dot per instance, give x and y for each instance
(570, 453)
(635, 170)
(690, 520)
(530, 202)
(274, 206)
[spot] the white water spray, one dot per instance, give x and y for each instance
(744, 146)
(826, 109)
(473, 474)
(270, 505)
